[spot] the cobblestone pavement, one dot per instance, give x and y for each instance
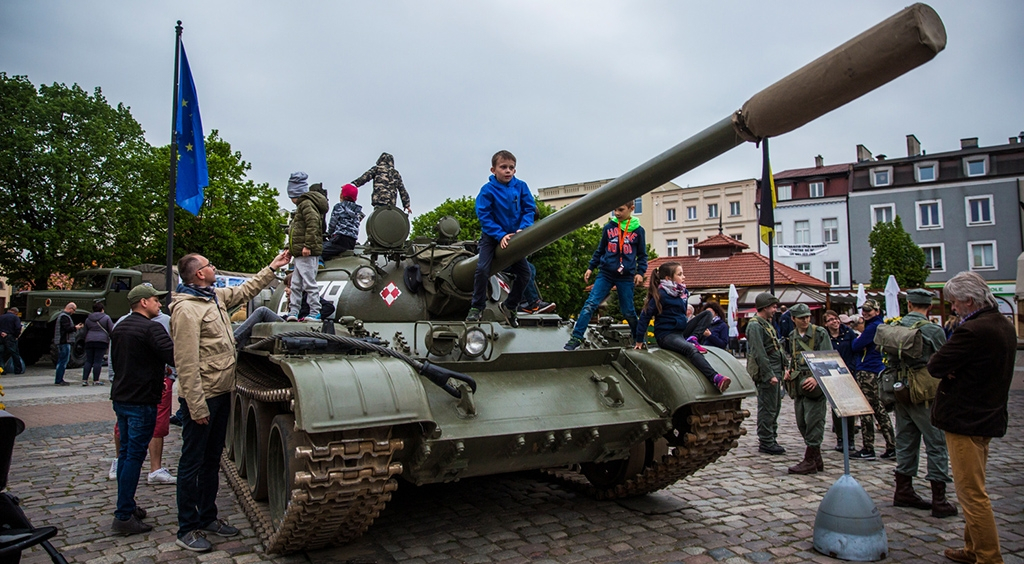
(744, 508)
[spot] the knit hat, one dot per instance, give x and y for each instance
(349, 192)
(764, 299)
(297, 184)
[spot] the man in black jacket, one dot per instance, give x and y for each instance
(139, 348)
(974, 368)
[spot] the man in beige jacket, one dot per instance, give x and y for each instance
(204, 353)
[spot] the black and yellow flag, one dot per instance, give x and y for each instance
(768, 197)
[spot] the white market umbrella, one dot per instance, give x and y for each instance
(862, 296)
(892, 297)
(734, 310)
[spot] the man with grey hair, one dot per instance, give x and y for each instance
(974, 368)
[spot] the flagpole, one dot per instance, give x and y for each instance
(174, 154)
(771, 262)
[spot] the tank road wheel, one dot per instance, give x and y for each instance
(282, 464)
(241, 407)
(258, 418)
(614, 472)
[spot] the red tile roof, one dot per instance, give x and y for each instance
(813, 171)
(741, 269)
(720, 240)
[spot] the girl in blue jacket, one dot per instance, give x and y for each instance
(666, 303)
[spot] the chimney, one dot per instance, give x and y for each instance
(880, 157)
(913, 146)
(819, 162)
(863, 154)
(969, 143)
(1013, 140)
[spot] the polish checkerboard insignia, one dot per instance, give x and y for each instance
(390, 293)
(504, 285)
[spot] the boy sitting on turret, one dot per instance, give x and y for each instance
(504, 207)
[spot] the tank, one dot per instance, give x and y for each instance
(329, 418)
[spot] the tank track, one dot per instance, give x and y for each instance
(342, 487)
(715, 428)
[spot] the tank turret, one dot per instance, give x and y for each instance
(327, 418)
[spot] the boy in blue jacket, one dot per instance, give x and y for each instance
(621, 260)
(504, 207)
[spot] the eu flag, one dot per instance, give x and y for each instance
(192, 175)
(767, 218)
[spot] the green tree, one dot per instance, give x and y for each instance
(560, 265)
(69, 164)
(896, 253)
(239, 226)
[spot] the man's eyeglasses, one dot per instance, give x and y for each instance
(208, 263)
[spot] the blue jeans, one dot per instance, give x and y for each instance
(520, 268)
(602, 287)
(199, 467)
(261, 315)
(135, 423)
(530, 294)
(676, 342)
(63, 356)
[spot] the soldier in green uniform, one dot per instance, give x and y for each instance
(913, 420)
(765, 364)
(809, 400)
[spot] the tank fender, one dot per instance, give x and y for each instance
(354, 392)
(669, 379)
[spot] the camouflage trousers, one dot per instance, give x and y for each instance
(868, 382)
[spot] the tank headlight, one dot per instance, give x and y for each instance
(40, 311)
(364, 278)
(474, 342)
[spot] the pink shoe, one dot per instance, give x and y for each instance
(693, 340)
(722, 382)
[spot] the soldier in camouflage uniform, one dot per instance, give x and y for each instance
(765, 364)
(809, 400)
(387, 183)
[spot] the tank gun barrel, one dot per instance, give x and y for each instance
(884, 52)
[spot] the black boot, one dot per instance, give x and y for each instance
(941, 507)
(905, 495)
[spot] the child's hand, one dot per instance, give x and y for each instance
(505, 240)
(638, 279)
(638, 346)
(586, 275)
(305, 251)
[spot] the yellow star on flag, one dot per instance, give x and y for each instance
(188, 146)
(184, 102)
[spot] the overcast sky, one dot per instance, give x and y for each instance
(578, 90)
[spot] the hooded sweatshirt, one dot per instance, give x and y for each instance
(622, 252)
(504, 208)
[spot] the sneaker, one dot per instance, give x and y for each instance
(474, 315)
(319, 263)
(61, 383)
(311, 318)
(139, 513)
(85, 382)
(98, 383)
(290, 318)
(130, 526)
(194, 541)
(693, 341)
(221, 528)
(161, 476)
(529, 308)
(722, 382)
(889, 454)
(112, 475)
(511, 317)
(545, 307)
(573, 344)
(864, 454)
(772, 449)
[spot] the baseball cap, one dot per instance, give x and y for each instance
(144, 290)
(870, 305)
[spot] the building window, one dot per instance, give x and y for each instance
(734, 208)
(975, 166)
(737, 236)
(784, 192)
(778, 234)
(927, 171)
(802, 233)
(929, 214)
(691, 213)
(882, 212)
(830, 230)
(638, 206)
(670, 214)
(691, 246)
(673, 247)
(982, 255)
(712, 211)
(817, 189)
(832, 273)
(933, 257)
(804, 267)
(881, 176)
(979, 210)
